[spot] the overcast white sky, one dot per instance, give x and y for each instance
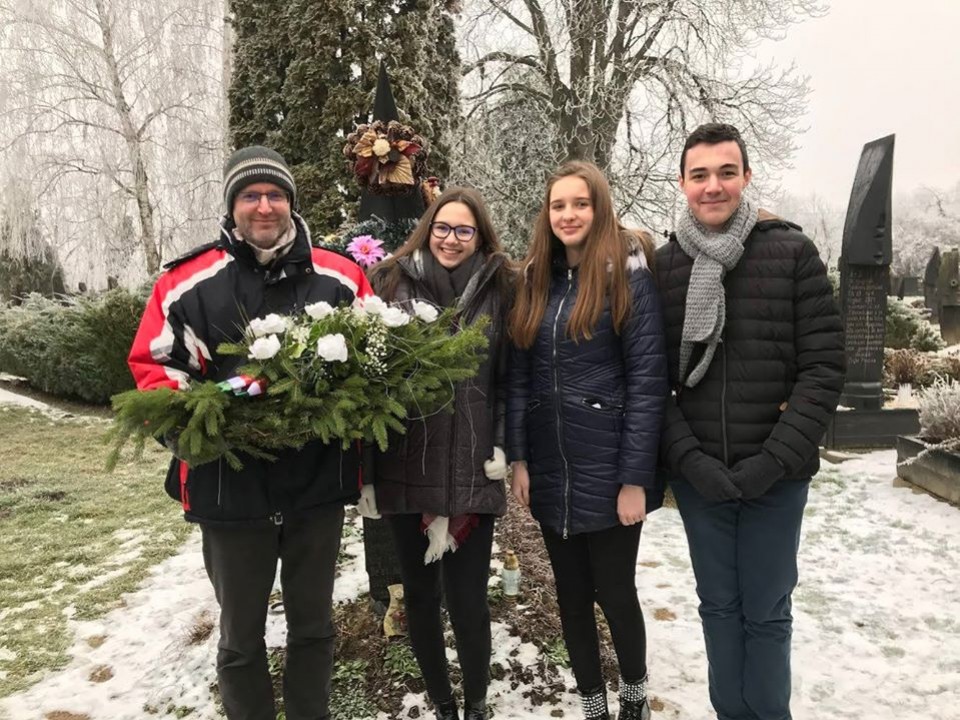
(877, 67)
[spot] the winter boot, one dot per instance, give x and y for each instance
(447, 710)
(633, 700)
(595, 704)
(475, 710)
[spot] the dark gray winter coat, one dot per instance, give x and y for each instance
(437, 466)
(586, 415)
(776, 376)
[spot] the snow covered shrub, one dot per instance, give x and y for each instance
(901, 366)
(906, 327)
(939, 367)
(940, 413)
(73, 347)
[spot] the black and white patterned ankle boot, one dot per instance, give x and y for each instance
(595, 704)
(633, 700)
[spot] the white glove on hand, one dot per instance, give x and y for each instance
(496, 467)
(367, 506)
(440, 540)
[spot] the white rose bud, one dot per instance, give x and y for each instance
(319, 310)
(395, 317)
(271, 324)
(332, 348)
(425, 311)
(264, 348)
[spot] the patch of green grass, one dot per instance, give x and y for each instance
(73, 538)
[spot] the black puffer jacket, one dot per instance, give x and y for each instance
(776, 376)
(437, 466)
(207, 298)
(586, 415)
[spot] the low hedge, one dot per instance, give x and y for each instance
(72, 347)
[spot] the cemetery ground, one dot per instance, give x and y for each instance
(106, 612)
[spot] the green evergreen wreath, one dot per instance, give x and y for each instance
(344, 374)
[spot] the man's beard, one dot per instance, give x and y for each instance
(262, 235)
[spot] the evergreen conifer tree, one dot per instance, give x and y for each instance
(304, 75)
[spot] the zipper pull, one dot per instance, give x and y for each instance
(278, 518)
(570, 274)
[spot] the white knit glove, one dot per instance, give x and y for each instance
(496, 467)
(367, 506)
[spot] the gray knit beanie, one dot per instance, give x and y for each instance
(256, 164)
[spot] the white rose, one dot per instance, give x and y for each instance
(370, 305)
(395, 317)
(271, 324)
(264, 348)
(319, 310)
(332, 348)
(425, 311)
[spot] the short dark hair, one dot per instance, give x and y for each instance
(712, 134)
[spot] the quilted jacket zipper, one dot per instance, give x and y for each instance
(557, 400)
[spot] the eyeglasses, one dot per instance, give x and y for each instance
(463, 233)
(274, 197)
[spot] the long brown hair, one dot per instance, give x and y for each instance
(387, 273)
(602, 271)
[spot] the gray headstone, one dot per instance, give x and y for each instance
(865, 274)
(948, 288)
(909, 287)
(930, 278)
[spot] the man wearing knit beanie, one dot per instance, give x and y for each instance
(259, 194)
(290, 510)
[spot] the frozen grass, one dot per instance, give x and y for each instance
(73, 539)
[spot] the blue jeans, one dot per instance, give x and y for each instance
(744, 556)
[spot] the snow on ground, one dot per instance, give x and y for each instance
(9, 398)
(877, 620)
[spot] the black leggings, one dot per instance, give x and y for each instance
(599, 567)
(464, 575)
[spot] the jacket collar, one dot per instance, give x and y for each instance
(293, 262)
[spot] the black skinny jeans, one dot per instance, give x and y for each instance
(464, 575)
(599, 567)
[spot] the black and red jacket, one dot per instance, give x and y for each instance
(206, 298)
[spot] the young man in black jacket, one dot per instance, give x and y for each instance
(756, 361)
(290, 510)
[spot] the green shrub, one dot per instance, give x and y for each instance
(72, 347)
(906, 327)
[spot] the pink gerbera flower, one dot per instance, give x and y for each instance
(366, 250)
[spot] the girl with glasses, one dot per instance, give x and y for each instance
(587, 388)
(440, 485)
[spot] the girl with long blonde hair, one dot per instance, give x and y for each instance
(586, 393)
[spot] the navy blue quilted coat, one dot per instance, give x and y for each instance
(586, 415)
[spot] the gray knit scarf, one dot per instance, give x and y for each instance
(714, 254)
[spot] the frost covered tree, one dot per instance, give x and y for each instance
(114, 106)
(304, 74)
(922, 220)
(622, 82)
